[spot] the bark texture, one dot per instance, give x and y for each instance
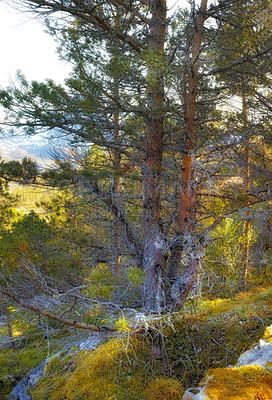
(245, 253)
(188, 245)
(154, 261)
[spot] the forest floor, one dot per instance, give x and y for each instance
(182, 347)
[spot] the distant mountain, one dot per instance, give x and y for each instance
(35, 147)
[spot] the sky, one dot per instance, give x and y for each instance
(25, 46)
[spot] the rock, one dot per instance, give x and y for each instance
(194, 394)
(250, 378)
(21, 389)
(259, 355)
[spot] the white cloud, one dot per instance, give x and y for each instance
(25, 46)
(14, 149)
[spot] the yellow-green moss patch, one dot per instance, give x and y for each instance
(15, 363)
(255, 300)
(243, 383)
(116, 370)
(164, 389)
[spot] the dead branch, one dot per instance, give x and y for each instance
(60, 319)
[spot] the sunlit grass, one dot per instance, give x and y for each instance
(16, 333)
(268, 334)
(29, 196)
(255, 297)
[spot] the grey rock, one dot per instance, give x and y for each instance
(20, 392)
(259, 355)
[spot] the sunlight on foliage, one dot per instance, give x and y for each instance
(135, 275)
(123, 325)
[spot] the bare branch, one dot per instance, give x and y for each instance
(65, 321)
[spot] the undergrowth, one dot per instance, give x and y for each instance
(216, 334)
(171, 352)
(16, 362)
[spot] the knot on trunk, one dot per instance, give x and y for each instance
(178, 289)
(194, 246)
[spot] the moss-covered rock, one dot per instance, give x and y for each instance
(250, 379)
(164, 389)
(117, 370)
(216, 334)
(171, 352)
(15, 363)
(242, 383)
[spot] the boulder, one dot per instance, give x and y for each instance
(20, 392)
(249, 379)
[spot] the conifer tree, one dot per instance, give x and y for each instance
(145, 101)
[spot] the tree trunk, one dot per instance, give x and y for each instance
(117, 180)
(154, 260)
(190, 245)
(245, 253)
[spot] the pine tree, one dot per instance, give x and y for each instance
(146, 102)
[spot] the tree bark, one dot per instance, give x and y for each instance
(189, 245)
(154, 260)
(245, 252)
(117, 157)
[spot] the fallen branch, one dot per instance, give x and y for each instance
(65, 321)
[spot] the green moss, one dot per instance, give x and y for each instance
(135, 275)
(194, 345)
(117, 370)
(164, 389)
(181, 346)
(91, 375)
(15, 363)
(256, 299)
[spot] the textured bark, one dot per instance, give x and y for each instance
(184, 284)
(190, 81)
(174, 264)
(154, 260)
(187, 196)
(117, 157)
(245, 253)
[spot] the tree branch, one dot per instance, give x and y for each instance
(86, 14)
(240, 61)
(119, 212)
(64, 321)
